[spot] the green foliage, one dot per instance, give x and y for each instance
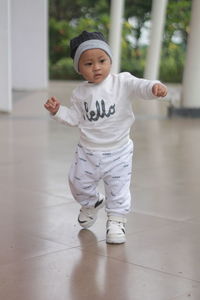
(59, 35)
(74, 9)
(173, 54)
(172, 63)
(63, 69)
(178, 17)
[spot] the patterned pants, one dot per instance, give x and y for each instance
(113, 167)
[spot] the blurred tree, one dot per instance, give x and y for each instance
(175, 40)
(70, 9)
(140, 10)
(177, 21)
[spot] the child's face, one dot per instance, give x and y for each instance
(94, 65)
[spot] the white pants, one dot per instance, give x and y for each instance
(113, 167)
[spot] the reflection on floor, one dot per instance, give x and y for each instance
(44, 255)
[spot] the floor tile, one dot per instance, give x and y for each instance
(171, 249)
(17, 246)
(193, 294)
(75, 274)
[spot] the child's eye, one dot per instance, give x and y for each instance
(102, 60)
(88, 64)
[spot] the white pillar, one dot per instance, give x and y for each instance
(116, 16)
(29, 44)
(5, 57)
(191, 77)
(156, 35)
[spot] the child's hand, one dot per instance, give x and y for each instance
(159, 90)
(52, 105)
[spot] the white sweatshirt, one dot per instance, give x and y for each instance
(103, 111)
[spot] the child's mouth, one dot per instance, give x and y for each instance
(97, 75)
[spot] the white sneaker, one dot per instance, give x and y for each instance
(88, 215)
(115, 233)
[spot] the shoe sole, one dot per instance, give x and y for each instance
(117, 241)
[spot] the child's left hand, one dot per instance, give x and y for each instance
(159, 90)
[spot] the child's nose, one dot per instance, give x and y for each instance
(96, 66)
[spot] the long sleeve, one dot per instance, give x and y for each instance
(69, 115)
(140, 88)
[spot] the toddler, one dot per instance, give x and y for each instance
(101, 107)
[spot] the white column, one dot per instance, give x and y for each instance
(156, 35)
(5, 57)
(191, 77)
(29, 44)
(116, 16)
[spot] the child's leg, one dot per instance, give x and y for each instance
(117, 179)
(84, 177)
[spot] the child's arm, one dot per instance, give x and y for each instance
(159, 90)
(63, 114)
(52, 105)
(145, 89)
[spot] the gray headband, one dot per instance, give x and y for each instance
(90, 44)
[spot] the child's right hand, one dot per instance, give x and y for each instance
(52, 105)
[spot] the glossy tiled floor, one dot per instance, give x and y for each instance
(43, 253)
